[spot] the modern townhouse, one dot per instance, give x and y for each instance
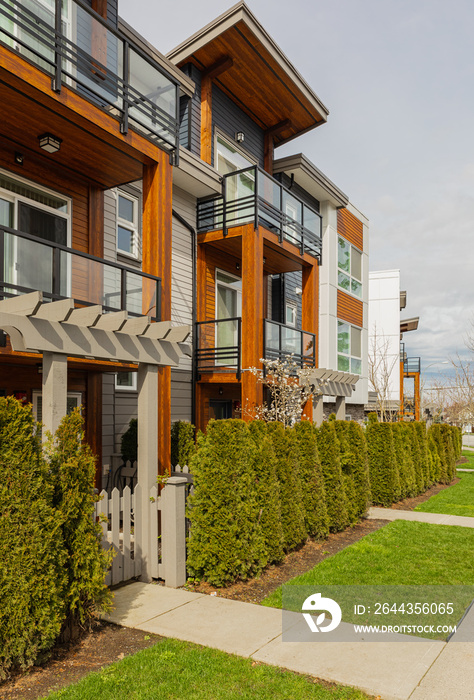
(149, 184)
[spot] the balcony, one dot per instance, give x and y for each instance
(79, 50)
(252, 196)
(30, 264)
(411, 365)
(218, 345)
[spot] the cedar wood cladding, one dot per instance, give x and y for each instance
(349, 227)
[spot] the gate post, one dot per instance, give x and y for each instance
(147, 469)
(173, 531)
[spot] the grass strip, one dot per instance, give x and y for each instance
(455, 500)
(183, 671)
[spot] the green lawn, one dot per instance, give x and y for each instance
(455, 500)
(182, 671)
(401, 553)
(469, 454)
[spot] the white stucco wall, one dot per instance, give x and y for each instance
(384, 323)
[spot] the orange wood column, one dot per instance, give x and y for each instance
(156, 260)
(93, 427)
(206, 119)
(416, 377)
(310, 315)
(252, 317)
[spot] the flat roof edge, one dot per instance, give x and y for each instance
(299, 160)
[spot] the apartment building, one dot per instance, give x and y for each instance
(149, 184)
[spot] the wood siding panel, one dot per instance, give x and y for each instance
(350, 228)
(350, 309)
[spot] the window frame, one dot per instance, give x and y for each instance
(349, 274)
(349, 355)
(132, 226)
(121, 387)
(291, 305)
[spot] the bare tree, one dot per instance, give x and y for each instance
(381, 367)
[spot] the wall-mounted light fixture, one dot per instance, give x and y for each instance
(298, 291)
(264, 260)
(237, 266)
(19, 158)
(239, 136)
(221, 391)
(49, 143)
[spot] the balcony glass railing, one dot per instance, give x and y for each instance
(287, 343)
(218, 345)
(78, 49)
(252, 196)
(29, 264)
(412, 365)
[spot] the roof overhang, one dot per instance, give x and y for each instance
(311, 179)
(403, 300)
(260, 79)
(409, 324)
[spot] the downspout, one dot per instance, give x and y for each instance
(192, 231)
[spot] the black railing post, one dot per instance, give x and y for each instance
(301, 349)
(158, 299)
(123, 290)
(282, 216)
(255, 215)
(126, 81)
(56, 281)
(2, 264)
(56, 81)
(239, 348)
(224, 206)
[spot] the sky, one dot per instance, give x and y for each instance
(398, 79)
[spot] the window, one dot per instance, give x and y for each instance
(126, 381)
(73, 400)
(127, 224)
(290, 314)
(349, 348)
(349, 263)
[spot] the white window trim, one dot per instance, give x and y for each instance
(293, 307)
(348, 274)
(127, 388)
(229, 286)
(132, 226)
(344, 354)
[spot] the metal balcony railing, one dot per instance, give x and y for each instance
(252, 196)
(412, 365)
(79, 49)
(29, 263)
(218, 345)
(287, 343)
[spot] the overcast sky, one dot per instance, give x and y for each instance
(398, 79)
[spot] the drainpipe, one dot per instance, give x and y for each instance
(192, 231)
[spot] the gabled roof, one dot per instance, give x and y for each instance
(260, 79)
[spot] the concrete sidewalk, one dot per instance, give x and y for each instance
(392, 670)
(434, 518)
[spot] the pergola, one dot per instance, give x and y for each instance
(58, 330)
(329, 382)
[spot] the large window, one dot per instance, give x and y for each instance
(127, 224)
(349, 348)
(349, 263)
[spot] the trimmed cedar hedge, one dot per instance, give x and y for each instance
(261, 489)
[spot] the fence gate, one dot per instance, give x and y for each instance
(165, 530)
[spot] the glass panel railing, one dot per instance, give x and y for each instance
(269, 209)
(239, 197)
(30, 264)
(218, 345)
(91, 57)
(286, 343)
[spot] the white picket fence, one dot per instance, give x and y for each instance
(121, 530)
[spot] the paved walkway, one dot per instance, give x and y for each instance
(434, 518)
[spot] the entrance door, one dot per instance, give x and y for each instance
(228, 305)
(220, 409)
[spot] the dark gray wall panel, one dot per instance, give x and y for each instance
(228, 117)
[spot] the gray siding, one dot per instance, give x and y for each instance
(293, 281)
(190, 114)
(228, 117)
(108, 417)
(181, 395)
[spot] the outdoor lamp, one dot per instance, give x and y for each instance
(49, 143)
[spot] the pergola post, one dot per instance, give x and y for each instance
(340, 408)
(54, 396)
(147, 456)
(318, 413)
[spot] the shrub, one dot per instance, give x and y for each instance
(72, 466)
(436, 432)
(358, 465)
(182, 443)
(336, 502)
(129, 442)
(420, 430)
(226, 539)
(435, 458)
(32, 575)
(267, 491)
(383, 470)
(416, 456)
(406, 469)
(286, 449)
(312, 481)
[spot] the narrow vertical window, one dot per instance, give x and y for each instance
(127, 225)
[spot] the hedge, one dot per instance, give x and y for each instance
(383, 468)
(329, 452)
(355, 467)
(53, 568)
(312, 481)
(182, 443)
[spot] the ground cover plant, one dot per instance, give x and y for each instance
(400, 554)
(455, 500)
(185, 671)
